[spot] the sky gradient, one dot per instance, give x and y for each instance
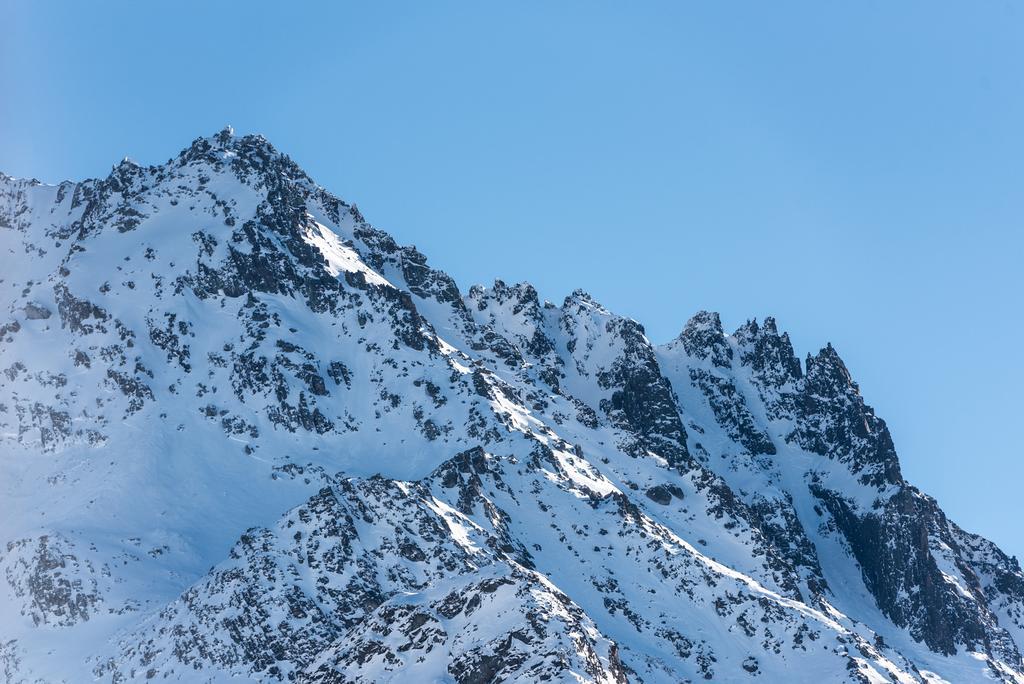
(854, 169)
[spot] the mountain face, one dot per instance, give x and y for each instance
(247, 435)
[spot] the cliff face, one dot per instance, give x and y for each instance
(246, 434)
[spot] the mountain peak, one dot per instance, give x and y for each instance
(246, 154)
(704, 338)
(225, 135)
(582, 299)
(704, 321)
(827, 371)
(420, 485)
(770, 354)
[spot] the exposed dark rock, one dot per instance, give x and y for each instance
(35, 311)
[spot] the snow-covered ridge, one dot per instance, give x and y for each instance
(246, 434)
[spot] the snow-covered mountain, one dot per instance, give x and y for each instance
(247, 435)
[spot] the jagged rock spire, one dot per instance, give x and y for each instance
(827, 375)
(703, 338)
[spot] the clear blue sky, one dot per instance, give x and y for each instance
(855, 169)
